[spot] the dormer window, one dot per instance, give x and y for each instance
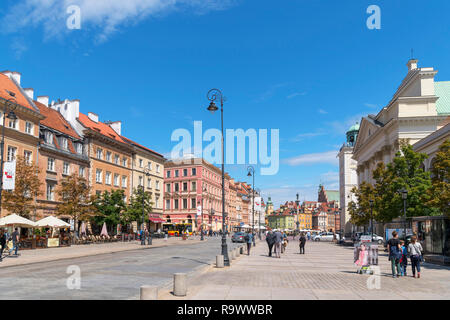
(64, 143)
(48, 137)
(79, 148)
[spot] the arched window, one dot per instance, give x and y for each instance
(168, 219)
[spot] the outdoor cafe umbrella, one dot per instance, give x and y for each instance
(104, 231)
(83, 228)
(17, 221)
(52, 222)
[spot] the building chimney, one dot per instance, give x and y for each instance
(43, 100)
(16, 76)
(93, 116)
(7, 73)
(116, 126)
(29, 92)
(412, 64)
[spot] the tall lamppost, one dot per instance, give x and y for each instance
(371, 218)
(213, 95)
(8, 103)
(404, 193)
(297, 202)
(258, 192)
(251, 173)
(146, 173)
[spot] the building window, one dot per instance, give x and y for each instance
(167, 204)
(141, 163)
(176, 173)
(13, 124)
(79, 147)
(193, 203)
(99, 154)
(149, 165)
(176, 204)
(185, 185)
(194, 171)
(157, 185)
(28, 127)
(108, 178)
(157, 202)
(50, 192)
(141, 180)
(51, 164)
(185, 204)
(48, 137)
(66, 168)
(116, 180)
(194, 186)
(124, 181)
(27, 155)
(168, 174)
(177, 187)
(124, 162)
(108, 156)
(167, 187)
(98, 176)
(11, 153)
(149, 183)
(81, 171)
(64, 143)
(116, 159)
(184, 172)
(157, 168)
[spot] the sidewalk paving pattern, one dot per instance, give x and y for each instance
(326, 271)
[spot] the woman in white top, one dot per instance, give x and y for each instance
(415, 253)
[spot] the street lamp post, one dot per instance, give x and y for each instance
(371, 218)
(143, 236)
(297, 202)
(404, 193)
(213, 95)
(251, 173)
(201, 228)
(258, 191)
(11, 116)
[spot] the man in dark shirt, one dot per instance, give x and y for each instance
(302, 243)
(270, 239)
(15, 240)
(2, 243)
(395, 251)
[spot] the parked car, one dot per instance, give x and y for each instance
(238, 237)
(326, 236)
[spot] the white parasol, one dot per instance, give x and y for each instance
(104, 230)
(52, 222)
(17, 221)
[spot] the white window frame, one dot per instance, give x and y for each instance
(124, 181)
(108, 156)
(81, 171)
(66, 168)
(28, 155)
(11, 155)
(98, 176)
(48, 137)
(108, 178)
(28, 127)
(50, 192)
(116, 179)
(51, 164)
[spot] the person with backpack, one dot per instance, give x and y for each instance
(415, 251)
(248, 239)
(395, 254)
(302, 242)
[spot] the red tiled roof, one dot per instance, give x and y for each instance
(7, 84)
(53, 119)
(140, 146)
(101, 127)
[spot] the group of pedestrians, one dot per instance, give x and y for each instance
(278, 241)
(398, 255)
(5, 238)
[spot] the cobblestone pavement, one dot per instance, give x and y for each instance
(116, 275)
(326, 271)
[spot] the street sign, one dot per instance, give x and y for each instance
(199, 210)
(9, 175)
(258, 204)
(366, 238)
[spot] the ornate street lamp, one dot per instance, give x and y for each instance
(404, 193)
(371, 218)
(213, 95)
(12, 105)
(297, 202)
(146, 173)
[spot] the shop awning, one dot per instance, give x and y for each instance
(156, 220)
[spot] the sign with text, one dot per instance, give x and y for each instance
(199, 210)
(258, 204)
(9, 175)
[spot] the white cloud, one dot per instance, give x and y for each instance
(329, 157)
(307, 135)
(322, 111)
(103, 17)
(371, 105)
(296, 94)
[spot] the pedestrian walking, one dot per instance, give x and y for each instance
(278, 242)
(308, 234)
(270, 239)
(404, 258)
(415, 251)
(15, 241)
(2, 243)
(302, 242)
(284, 242)
(395, 254)
(249, 240)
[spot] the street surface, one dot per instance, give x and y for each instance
(116, 275)
(326, 271)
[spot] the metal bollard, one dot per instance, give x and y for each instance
(232, 255)
(179, 284)
(219, 261)
(149, 293)
(241, 250)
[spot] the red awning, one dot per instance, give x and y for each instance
(156, 220)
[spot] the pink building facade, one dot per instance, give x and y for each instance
(185, 185)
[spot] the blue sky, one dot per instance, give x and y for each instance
(308, 68)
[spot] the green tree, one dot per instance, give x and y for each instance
(360, 210)
(74, 194)
(439, 193)
(134, 210)
(110, 206)
(27, 184)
